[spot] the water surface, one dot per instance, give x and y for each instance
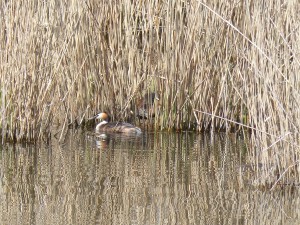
(157, 178)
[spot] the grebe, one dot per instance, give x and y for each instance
(145, 106)
(115, 127)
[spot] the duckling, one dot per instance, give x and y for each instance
(115, 127)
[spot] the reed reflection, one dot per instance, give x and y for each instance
(177, 178)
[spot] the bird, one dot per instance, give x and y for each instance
(115, 127)
(145, 106)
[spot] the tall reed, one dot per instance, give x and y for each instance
(219, 65)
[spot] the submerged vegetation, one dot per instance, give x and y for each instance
(221, 65)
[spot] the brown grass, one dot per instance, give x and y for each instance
(212, 64)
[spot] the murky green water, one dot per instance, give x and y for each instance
(159, 178)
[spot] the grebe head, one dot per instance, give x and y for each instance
(102, 116)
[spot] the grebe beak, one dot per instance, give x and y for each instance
(94, 117)
(98, 116)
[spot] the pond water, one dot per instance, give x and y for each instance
(157, 178)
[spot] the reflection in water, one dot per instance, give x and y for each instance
(161, 178)
(121, 140)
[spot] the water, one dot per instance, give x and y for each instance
(163, 178)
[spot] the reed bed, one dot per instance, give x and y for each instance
(216, 65)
